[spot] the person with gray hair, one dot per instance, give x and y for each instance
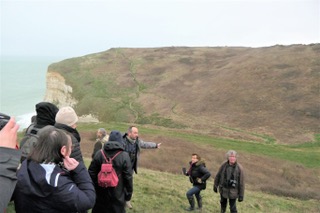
(102, 137)
(230, 182)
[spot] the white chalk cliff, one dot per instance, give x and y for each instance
(57, 91)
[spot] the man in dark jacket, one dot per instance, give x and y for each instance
(132, 145)
(112, 199)
(230, 180)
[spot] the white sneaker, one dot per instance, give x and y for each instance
(128, 205)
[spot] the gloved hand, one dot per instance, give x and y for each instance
(240, 199)
(128, 196)
(199, 180)
(215, 189)
(184, 171)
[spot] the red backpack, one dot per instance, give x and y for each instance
(107, 176)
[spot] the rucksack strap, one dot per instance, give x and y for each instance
(106, 159)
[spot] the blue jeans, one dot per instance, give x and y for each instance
(193, 191)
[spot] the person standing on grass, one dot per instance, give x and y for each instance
(102, 137)
(132, 145)
(112, 199)
(230, 182)
(198, 175)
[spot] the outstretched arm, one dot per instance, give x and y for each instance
(148, 145)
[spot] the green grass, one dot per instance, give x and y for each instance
(158, 192)
(164, 192)
(266, 138)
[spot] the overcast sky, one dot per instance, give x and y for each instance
(71, 28)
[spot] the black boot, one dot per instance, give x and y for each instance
(191, 202)
(199, 201)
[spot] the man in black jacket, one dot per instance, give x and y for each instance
(132, 145)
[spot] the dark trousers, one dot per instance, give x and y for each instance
(193, 191)
(232, 204)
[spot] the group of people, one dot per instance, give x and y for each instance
(125, 165)
(53, 178)
(229, 181)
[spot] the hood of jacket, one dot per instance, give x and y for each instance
(198, 163)
(201, 162)
(32, 178)
(113, 145)
(46, 114)
(115, 136)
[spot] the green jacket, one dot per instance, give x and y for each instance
(227, 189)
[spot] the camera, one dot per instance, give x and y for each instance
(232, 183)
(3, 120)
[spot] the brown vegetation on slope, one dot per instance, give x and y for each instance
(233, 92)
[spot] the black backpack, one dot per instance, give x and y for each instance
(28, 142)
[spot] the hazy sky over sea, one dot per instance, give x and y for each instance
(71, 28)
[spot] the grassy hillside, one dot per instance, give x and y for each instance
(165, 192)
(279, 178)
(268, 95)
(158, 192)
(283, 170)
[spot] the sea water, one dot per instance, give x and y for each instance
(22, 86)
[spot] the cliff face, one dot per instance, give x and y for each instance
(58, 92)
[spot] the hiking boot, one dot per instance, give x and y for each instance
(189, 209)
(191, 202)
(128, 205)
(199, 201)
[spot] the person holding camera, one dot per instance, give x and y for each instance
(9, 159)
(230, 182)
(198, 175)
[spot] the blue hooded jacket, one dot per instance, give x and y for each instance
(49, 188)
